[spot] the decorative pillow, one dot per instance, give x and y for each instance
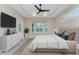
(62, 35)
(72, 35)
(59, 34)
(65, 37)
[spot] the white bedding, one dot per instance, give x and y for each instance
(49, 42)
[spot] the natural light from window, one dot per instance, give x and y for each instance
(39, 27)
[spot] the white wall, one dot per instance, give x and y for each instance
(52, 24)
(6, 9)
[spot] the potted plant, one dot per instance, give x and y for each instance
(26, 32)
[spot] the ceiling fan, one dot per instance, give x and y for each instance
(39, 9)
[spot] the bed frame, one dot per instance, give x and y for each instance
(46, 50)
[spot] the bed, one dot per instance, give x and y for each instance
(49, 43)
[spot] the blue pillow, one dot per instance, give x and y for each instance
(65, 37)
(62, 35)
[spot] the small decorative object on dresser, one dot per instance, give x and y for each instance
(8, 31)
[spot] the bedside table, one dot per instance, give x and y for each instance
(77, 49)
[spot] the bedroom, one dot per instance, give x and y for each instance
(43, 26)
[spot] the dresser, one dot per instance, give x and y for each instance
(8, 42)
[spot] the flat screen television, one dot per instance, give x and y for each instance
(7, 21)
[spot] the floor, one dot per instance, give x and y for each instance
(27, 51)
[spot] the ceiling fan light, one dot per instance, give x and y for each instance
(45, 14)
(34, 14)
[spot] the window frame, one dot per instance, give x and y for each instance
(33, 30)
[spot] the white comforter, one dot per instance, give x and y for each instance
(48, 41)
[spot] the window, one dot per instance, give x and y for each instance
(39, 27)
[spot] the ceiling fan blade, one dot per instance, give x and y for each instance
(36, 7)
(45, 10)
(38, 12)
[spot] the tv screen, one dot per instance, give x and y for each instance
(7, 21)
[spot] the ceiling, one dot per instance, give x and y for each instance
(28, 10)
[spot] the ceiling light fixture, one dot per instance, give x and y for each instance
(34, 14)
(45, 14)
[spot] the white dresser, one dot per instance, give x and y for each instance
(77, 49)
(8, 42)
